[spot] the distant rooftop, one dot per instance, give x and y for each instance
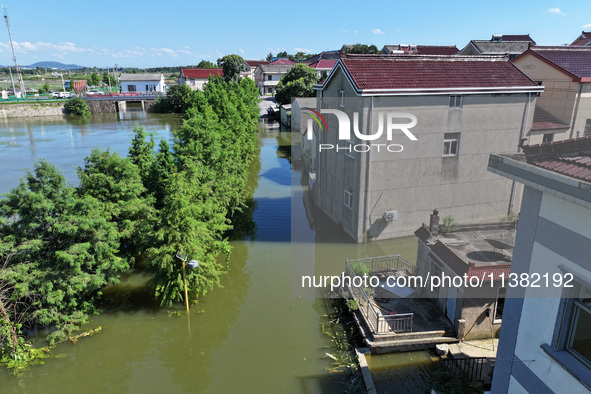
(488, 47)
(421, 49)
(201, 72)
(283, 60)
(141, 77)
(584, 39)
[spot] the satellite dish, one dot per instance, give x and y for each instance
(193, 264)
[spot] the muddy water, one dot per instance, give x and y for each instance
(249, 336)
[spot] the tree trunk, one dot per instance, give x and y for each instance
(12, 329)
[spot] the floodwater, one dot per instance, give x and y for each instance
(252, 335)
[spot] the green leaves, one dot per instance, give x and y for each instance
(296, 83)
(76, 106)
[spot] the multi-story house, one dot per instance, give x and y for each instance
(464, 108)
(563, 110)
(196, 78)
(267, 76)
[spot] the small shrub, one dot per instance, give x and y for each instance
(352, 305)
(76, 106)
(359, 269)
(449, 224)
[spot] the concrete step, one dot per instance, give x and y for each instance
(409, 344)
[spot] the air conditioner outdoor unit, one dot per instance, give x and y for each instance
(390, 216)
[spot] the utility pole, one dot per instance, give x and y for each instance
(18, 69)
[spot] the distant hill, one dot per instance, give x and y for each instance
(58, 65)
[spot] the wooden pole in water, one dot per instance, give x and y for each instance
(185, 282)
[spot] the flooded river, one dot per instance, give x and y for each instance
(249, 336)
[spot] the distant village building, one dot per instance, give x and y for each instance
(251, 66)
(419, 49)
(563, 110)
(196, 78)
(142, 83)
(583, 40)
(509, 45)
(465, 109)
(267, 76)
(545, 340)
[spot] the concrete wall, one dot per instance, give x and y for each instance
(31, 110)
(554, 236)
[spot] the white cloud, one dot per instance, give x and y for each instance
(587, 26)
(305, 50)
(555, 11)
(377, 31)
(356, 31)
(241, 51)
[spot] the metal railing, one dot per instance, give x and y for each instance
(477, 369)
(379, 323)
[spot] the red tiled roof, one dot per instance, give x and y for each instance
(201, 72)
(384, 72)
(324, 64)
(575, 61)
(256, 63)
(568, 157)
(283, 61)
(584, 39)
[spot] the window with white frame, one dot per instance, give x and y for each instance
(455, 101)
(500, 304)
(451, 144)
(548, 138)
(348, 199)
(341, 98)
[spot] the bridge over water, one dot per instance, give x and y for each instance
(119, 102)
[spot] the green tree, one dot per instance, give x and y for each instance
(64, 251)
(94, 79)
(363, 49)
(117, 184)
(205, 64)
(232, 65)
(178, 100)
(76, 106)
(296, 83)
(44, 88)
(141, 152)
(269, 56)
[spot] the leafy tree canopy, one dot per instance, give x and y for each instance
(232, 66)
(362, 49)
(296, 83)
(205, 64)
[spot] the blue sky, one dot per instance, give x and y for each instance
(156, 33)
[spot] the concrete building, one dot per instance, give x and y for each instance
(251, 66)
(142, 83)
(563, 110)
(465, 108)
(479, 254)
(195, 78)
(508, 45)
(420, 49)
(544, 344)
(267, 76)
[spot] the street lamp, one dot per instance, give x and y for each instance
(191, 264)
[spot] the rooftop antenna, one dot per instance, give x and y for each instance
(18, 69)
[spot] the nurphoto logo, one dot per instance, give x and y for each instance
(386, 120)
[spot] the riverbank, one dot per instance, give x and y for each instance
(32, 109)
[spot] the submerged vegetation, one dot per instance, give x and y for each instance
(61, 245)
